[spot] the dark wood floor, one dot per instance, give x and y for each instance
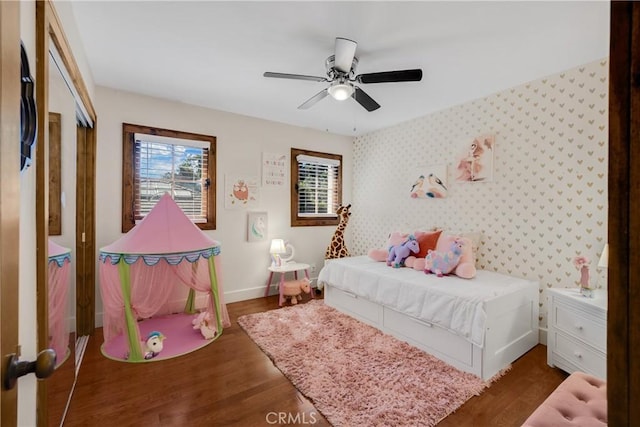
(232, 383)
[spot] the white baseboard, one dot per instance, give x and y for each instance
(542, 336)
(245, 294)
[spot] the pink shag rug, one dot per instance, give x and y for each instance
(354, 374)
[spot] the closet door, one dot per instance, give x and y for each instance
(623, 327)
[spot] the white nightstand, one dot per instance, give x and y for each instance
(577, 339)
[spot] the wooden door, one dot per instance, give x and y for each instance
(9, 196)
(623, 324)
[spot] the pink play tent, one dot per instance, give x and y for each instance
(139, 271)
(58, 294)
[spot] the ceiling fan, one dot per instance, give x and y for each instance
(341, 76)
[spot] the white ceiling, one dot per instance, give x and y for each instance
(213, 54)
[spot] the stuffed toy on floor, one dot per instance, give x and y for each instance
(153, 344)
(205, 325)
(293, 289)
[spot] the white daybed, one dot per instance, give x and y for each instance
(478, 325)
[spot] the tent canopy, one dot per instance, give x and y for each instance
(58, 253)
(153, 235)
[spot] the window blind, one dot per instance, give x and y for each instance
(317, 186)
(177, 169)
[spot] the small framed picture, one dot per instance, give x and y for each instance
(241, 191)
(429, 182)
(475, 162)
(257, 226)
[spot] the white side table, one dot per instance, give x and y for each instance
(283, 269)
(577, 339)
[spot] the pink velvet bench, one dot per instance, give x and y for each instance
(580, 400)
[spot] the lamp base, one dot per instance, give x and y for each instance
(276, 261)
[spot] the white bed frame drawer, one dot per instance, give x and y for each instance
(427, 336)
(517, 311)
(357, 307)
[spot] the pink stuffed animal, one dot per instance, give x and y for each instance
(466, 267)
(293, 290)
(427, 240)
(442, 263)
(204, 323)
(381, 254)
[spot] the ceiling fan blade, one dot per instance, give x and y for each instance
(345, 50)
(313, 100)
(391, 76)
(365, 100)
(295, 77)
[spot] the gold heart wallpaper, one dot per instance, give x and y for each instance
(546, 201)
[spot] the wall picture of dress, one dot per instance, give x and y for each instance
(257, 226)
(475, 163)
(429, 182)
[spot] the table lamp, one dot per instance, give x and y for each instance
(277, 248)
(604, 259)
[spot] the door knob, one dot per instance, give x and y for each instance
(43, 367)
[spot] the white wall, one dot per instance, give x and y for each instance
(240, 143)
(64, 10)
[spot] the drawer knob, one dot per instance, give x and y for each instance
(577, 354)
(579, 327)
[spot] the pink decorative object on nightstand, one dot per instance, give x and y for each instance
(582, 264)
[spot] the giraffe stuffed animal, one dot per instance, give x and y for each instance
(337, 247)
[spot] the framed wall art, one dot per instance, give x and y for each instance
(475, 163)
(241, 192)
(257, 226)
(429, 182)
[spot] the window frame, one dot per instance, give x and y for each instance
(129, 172)
(320, 220)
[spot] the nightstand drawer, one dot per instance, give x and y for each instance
(581, 326)
(583, 357)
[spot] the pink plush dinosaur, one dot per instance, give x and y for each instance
(442, 263)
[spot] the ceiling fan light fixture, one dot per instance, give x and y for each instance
(340, 90)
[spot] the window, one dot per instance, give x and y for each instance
(316, 187)
(157, 161)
